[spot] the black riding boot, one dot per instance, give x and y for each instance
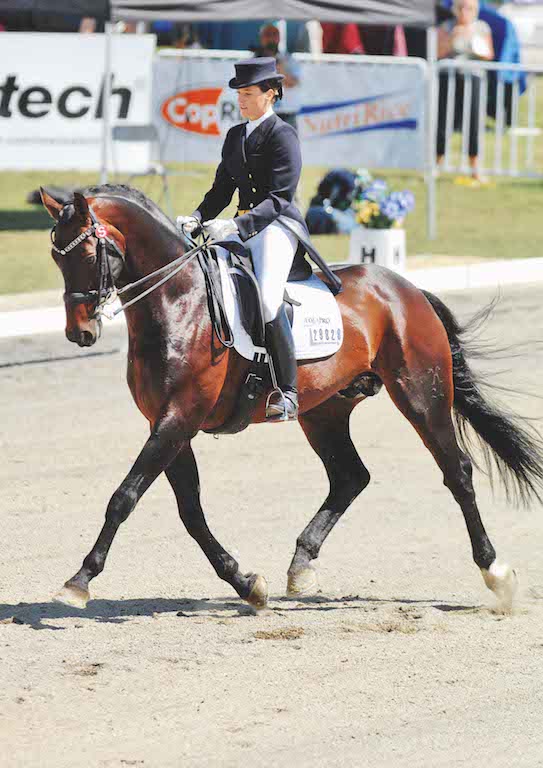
(280, 346)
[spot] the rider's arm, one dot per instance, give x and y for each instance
(286, 166)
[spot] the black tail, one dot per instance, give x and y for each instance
(502, 435)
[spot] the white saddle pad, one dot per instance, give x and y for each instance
(317, 326)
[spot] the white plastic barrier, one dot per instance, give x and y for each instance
(514, 130)
(356, 110)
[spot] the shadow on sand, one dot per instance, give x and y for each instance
(36, 615)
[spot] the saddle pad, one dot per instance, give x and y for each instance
(317, 325)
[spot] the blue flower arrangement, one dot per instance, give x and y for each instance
(378, 208)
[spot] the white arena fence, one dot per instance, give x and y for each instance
(361, 111)
(507, 139)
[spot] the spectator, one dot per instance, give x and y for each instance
(87, 25)
(235, 35)
(383, 41)
(465, 38)
(341, 38)
(298, 38)
(289, 106)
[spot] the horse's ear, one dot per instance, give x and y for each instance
(53, 206)
(81, 206)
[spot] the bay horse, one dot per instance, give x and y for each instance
(407, 339)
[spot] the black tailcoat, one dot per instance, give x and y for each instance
(265, 168)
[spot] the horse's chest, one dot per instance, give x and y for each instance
(145, 376)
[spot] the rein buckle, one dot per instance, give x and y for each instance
(106, 308)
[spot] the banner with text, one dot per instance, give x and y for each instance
(354, 111)
(52, 100)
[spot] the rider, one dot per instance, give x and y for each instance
(261, 158)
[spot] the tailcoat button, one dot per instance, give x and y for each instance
(253, 189)
(251, 205)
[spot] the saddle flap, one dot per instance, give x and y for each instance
(247, 298)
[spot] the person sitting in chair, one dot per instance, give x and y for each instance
(261, 158)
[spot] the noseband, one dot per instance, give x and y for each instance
(106, 284)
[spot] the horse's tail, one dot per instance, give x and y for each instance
(517, 450)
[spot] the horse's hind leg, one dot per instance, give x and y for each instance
(327, 430)
(424, 394)
(183, 476)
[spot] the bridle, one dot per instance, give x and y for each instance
(106, 283)
(107, 292)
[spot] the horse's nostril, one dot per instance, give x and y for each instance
(86, 338)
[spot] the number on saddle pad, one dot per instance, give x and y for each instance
(326, 335)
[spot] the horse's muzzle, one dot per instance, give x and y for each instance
(81, 327)
(84, 338)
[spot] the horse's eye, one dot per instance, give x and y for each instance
(90, 259)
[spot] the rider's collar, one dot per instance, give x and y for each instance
(252, 124)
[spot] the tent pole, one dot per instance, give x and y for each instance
(282, 26)
(431, 123)
(106, 127)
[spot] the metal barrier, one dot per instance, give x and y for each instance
(506, 143)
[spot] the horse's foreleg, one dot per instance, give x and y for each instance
(162, 446)
(327, 430)
(183, 476)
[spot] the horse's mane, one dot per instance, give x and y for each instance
(132, 195)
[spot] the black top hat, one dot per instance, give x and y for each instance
(254, 71)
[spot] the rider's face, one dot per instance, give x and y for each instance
(253, 103)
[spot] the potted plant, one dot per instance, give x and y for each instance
(379, 236)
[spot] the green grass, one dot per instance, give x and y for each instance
(500, 221)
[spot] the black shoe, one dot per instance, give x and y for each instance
(283, 402)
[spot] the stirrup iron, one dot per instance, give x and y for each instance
(270, 415)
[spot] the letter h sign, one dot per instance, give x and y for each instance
(368, 256)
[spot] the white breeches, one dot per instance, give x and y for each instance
(273, 252)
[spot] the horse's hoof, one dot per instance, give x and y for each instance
(302, 582)
(502, 580)
(73, 596)
(258, 596)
